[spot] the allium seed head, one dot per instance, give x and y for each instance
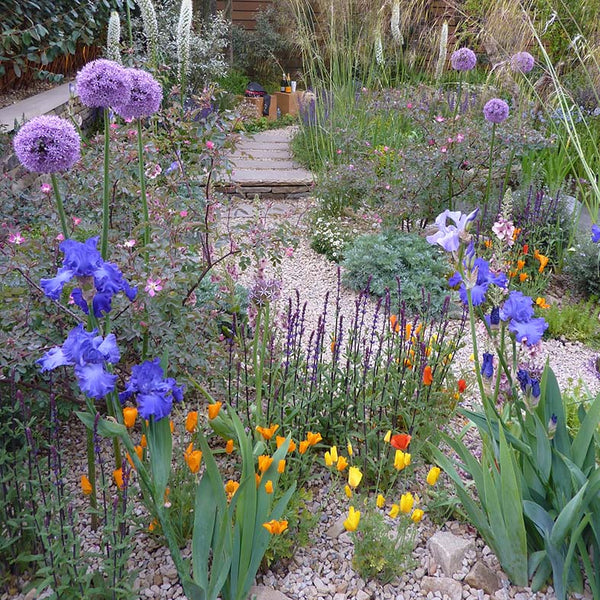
(495, 110)
(103, 83)
(522, 61)
(463, 59)
(47, 144)
(146, 96)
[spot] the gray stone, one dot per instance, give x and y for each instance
(262, 592)
(337, 528)
(362, 595)
(444, 585)
(449, 550)
(483, 578)
(339, 597)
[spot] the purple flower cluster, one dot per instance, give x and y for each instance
(483, 278)
(47, 144)
(82, 260)
(448, 236)
(88, 352)
(529, 386)
(155, 393)
(463, 59)
(264, 291)
(518, 309)
(103, 83)
(145, 99)
(522, 62)
(495, 110)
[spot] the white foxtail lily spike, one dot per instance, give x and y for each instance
(113, 38)
(395, 23)
(441, 62)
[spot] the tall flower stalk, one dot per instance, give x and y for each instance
(113, 38)
(102, 84)
(150, 28)
(184, 28)
(443, 53)
(495, 111)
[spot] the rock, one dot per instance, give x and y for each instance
(320, 586)
(362, 595)
(339, 597)
(444, 585)
(31, 594)
(448, 550)
(482, 578)
(337, 528)
(262, 592)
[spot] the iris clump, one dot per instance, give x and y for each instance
(145, 98)
(82, 260)
(89, 353)
(495, 111)
(463, 59)
(154, 392)
(103, 83)
(522, 62)
(47, 144)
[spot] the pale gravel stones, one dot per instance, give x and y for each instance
(449, 550)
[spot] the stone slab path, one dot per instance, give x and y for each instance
(37, 105)
(263, 165)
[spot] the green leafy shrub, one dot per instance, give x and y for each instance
(392, 260)
(576, 322)
(583, 268)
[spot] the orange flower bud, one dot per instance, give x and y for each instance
(191, 421)
(86, 486)
(229, 446)
(213, 410)
(129, 416)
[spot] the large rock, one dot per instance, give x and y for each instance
(337, 528)
(482, 578)
(449, 550)
(262, 592)
(445, 585)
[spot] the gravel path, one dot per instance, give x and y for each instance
(323, 570)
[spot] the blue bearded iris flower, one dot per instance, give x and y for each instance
(155, 393)
(595, 234)
(484, 279)
(487, 365)
(518, 308)
(88, 352)
(83, 260)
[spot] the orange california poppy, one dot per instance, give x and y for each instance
(427, 376)
(400, 441)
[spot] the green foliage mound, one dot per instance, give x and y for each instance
(393, 260)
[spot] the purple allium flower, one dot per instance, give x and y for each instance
(448, 236)
(518, 307)
(495, 110)
(595, 234)
(47, 144)
(88, 352)
(82, 260)
(155, 393)
(103, 83)
(463, 59)
(145, 99)
(522, 62)
(487, 365)
(264, 291)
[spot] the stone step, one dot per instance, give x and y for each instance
(263, 153)
(275, 164)
(290, 177)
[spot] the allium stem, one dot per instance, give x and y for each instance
(106, 188)
(60, 206)
(489, 179)
(142, 174)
